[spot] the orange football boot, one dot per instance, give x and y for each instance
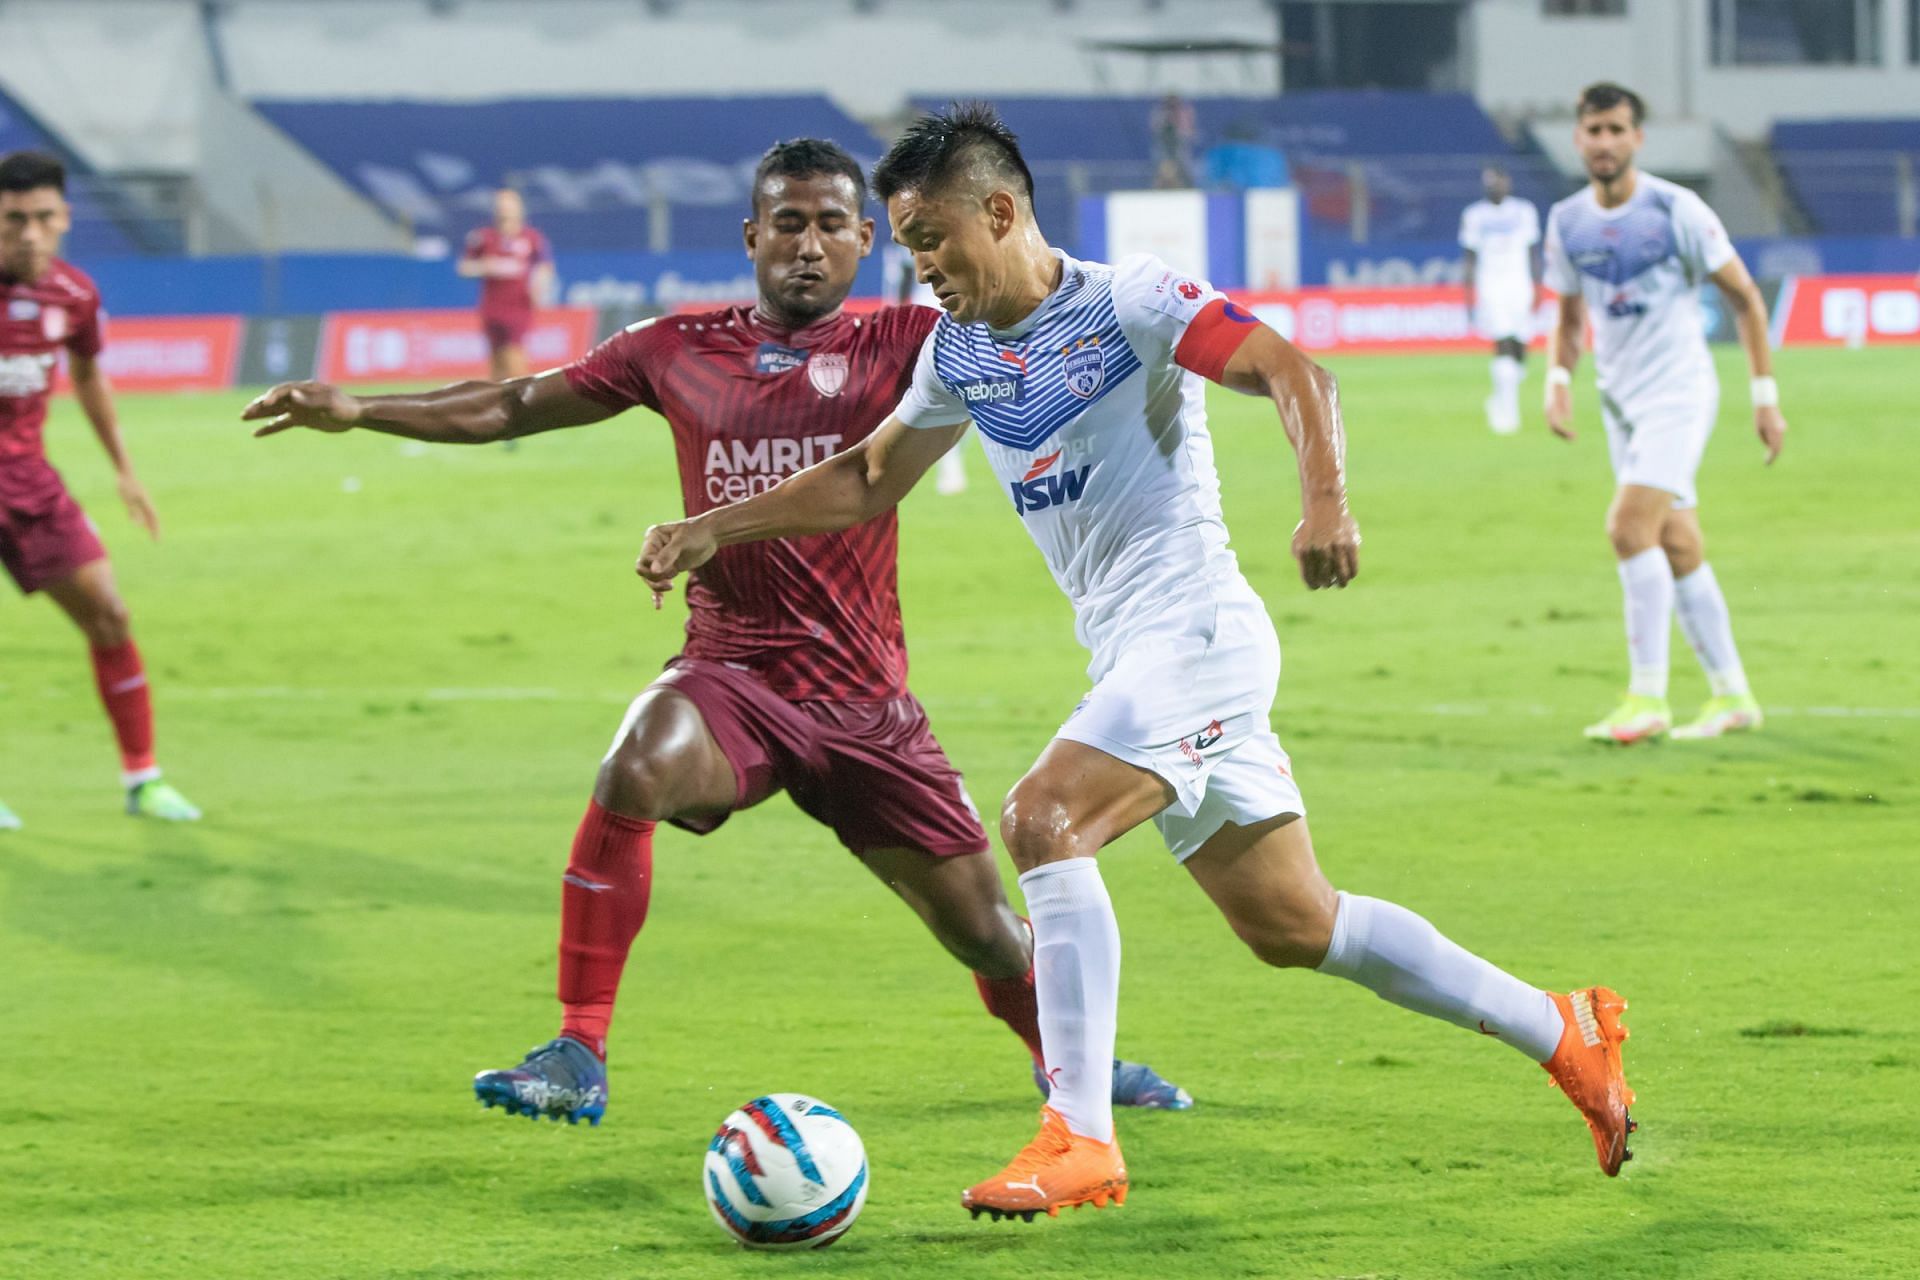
(1586, 1065)
(1057, 1170)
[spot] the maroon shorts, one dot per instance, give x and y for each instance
(45, 541)
(505, 328)
(872, 771)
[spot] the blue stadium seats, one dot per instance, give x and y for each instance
(1846, 174)
(100, 224)
(594, 171)
(1419, 154)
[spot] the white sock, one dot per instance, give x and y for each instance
(129, 779)
(1404, 960)
(1508, 373)
(1647, 580)
(1076, 982)
(1709, 629)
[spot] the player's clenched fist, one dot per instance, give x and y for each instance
(670, 550)
(1327, 545)
(303, 404)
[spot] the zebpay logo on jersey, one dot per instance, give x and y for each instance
(991, 390)
(738, 469)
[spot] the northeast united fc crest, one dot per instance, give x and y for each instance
(53, 323)
(1085, 367)
(827, 370)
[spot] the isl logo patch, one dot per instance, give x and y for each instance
(1085, 367)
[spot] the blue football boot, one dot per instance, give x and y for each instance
(1135, 1084)
(559, 1078)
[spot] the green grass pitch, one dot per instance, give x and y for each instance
(387, 672)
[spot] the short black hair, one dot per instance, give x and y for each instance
(809, 158)
(1605, 95)
(939, 146)
(32, 170)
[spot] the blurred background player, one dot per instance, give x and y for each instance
(46, 541)
(515, 269)
(794, 672)
(1083, 380)
(1501, 237)
(1628, 253)
(950, 473)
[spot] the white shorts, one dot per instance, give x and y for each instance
(1191, 705)
(1499, 314)
(1660, 445)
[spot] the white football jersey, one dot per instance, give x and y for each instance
(1639, 267)
(1101, 441)
(1502, 237)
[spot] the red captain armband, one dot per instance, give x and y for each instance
(1212, 337)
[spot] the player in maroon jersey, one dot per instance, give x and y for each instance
(46, 541)
(794, 672)
(515, 269)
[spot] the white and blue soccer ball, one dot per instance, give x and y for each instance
(785, 1172)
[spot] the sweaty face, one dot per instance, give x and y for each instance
(31, 225)
(806, 240)
(955, 250)
(1607, 141)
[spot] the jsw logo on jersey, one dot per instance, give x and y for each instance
(1036, 491)
(24, 375)
(738, 469)
(1621, 306)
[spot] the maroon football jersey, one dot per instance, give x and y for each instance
(507, 294)
(60, 309)
(816, 617)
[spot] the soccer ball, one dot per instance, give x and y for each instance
(785, 1172)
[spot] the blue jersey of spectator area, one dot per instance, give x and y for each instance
(592, 168)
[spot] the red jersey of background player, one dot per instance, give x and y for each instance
(750, 403)
(59, 310)
(508, 294)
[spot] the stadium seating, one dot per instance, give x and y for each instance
(596, 171)
(1846, 174)
(1418, 154)
(100, 221)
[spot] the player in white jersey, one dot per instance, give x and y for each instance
(1629, 252)
(1500, 236)
(1085, 381)
(909, 290)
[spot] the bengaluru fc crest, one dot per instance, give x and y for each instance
(827, 370)
(1085, 367)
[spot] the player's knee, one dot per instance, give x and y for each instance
(1629, 537)
(1289, 935)
(1685, 552)
(636, 786)
(108, 625)
(1036, 827)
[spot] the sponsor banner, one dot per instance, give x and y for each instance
(1362, 320)
(172, 353)
(421, 346)
(279, 349)
(1847, 311)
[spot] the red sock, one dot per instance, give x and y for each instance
(603, 903)
(1013, 1002)
(123, 688)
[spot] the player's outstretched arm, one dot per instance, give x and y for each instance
(851, 487)
(1563, 356)
(464, 413)
(1327, 541)
(1750, 319)
(95, 394)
